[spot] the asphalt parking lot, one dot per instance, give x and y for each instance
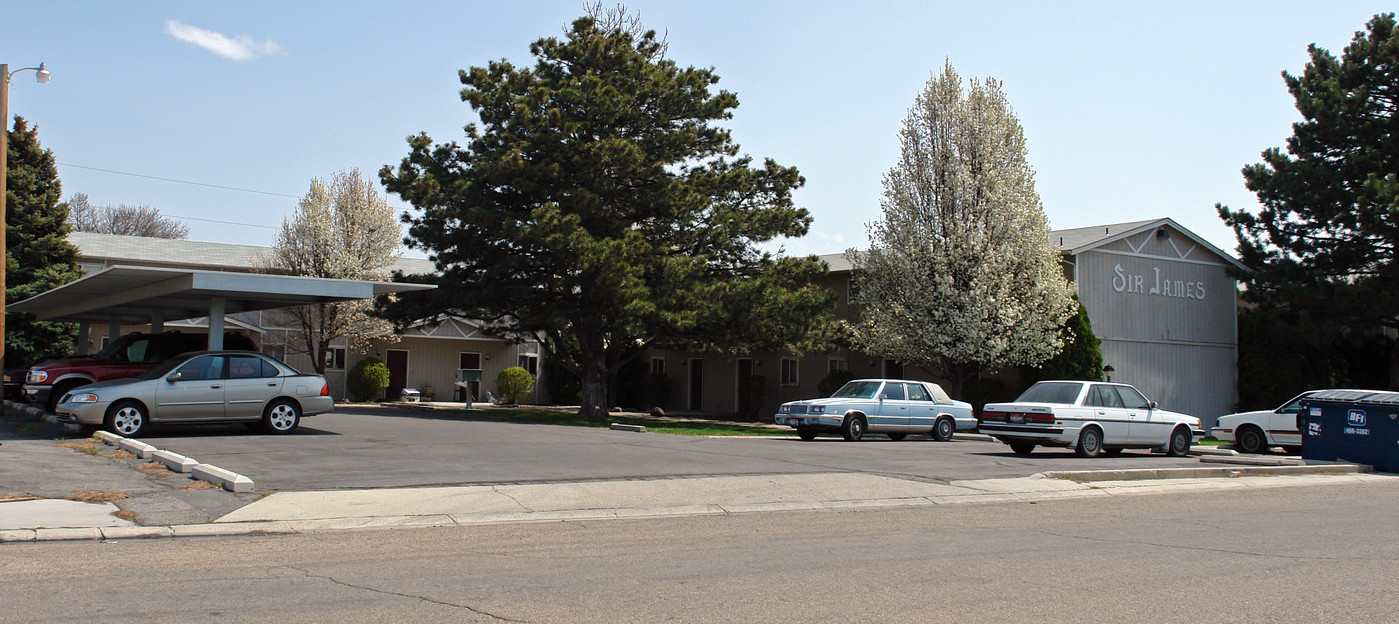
(381, 447)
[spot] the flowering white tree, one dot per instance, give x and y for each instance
(960, 274)
(342, 229)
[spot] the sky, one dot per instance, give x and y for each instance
(220, 114)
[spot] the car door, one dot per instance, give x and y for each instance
(922, 409)
(1108, 410)
(250, 383)
(1282, 423)
(193, 391)
(1146, 425)
(891, 407)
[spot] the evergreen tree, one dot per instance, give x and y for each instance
(596, 204)
(960, 274)
(1324, 242)
(1081, 357)
(38, 256)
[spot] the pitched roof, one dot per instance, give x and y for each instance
(165, 252)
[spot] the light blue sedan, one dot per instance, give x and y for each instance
(894, 407)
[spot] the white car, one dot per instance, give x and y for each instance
(1092, 417)
(894, 407)
(1255, 432)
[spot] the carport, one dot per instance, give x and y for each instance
(137, 295)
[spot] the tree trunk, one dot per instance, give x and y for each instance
(594, 403)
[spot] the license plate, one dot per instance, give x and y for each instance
(1017, 419)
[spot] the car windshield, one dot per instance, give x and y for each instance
(857, 390)
(1056, 392)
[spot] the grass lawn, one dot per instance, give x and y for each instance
(570, 419)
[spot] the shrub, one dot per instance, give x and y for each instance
(833, 381)
(514, 384)
(368, 378)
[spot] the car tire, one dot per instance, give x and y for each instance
(126, 418)
(944, 429)
(59, 390)
(853, 428)
(1022, 448)
(806, 434)
(1179, 446)
(1250, 439)
(1090, 442)
(281, 417)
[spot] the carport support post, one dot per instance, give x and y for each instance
(113, 330)
(157, 321)
(80, 344)
(216, 306)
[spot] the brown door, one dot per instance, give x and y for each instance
(696, 383)
(398, 373)
(746, 408)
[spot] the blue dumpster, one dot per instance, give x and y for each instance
(1360, 426)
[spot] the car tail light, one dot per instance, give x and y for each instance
(1043, 419)
(993, 416)
(325, 390)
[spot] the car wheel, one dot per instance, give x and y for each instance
(126, 419)
(1090, 442)
(1292, 450)
(1180, 443)
(807, 434)
(853, 428)
(943, 429)
(1022, 448)
(281, 417)
(897, 436)
(1250, 439)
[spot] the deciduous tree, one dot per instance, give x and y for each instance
(1325, 238)
(38, 256)
(342, 229)
(960, 274)
(123, 219)
(599, 205)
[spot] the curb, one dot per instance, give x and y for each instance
(1088, 476)
(225, 479)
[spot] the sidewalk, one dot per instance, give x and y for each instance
(307, 512)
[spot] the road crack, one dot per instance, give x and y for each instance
(426, 599)
(1207, 549)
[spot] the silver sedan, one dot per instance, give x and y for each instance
(203, 386)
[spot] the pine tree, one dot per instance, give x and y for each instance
(1326, 237)
(597, 204)
(38, 256)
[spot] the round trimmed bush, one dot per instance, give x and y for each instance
(368, 378)
(833, 381)
(514, 384)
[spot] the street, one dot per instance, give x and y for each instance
(1313, 554)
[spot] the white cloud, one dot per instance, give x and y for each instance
(238, 49)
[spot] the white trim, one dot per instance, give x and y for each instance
(1129, 254)
(1152, 226)
(1183, 343)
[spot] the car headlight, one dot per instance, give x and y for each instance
(38, 376)
(82, 397)
(817, 409)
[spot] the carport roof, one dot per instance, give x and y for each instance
(131, 294)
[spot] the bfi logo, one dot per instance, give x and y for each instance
(1355, 418)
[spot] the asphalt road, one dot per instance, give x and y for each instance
(374, 447)
(1312, 555)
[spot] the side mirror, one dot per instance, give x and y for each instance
(1151, 404)
(173, 377)
(882, 397)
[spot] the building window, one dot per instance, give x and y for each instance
(335, 358)
(789, 372)
(837, 364)
(530, 362)
(658, 365)
(277, 351)
(469, 361)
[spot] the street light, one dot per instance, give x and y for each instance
(41, 73)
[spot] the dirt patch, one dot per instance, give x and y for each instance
(120, 454)
(10, 498)
(155, 468)
(200, 485)
(127, 515)
(91, 447)
(93, 496)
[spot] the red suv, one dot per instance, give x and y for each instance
(128, 356)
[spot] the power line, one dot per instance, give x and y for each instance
(268, 227)
(217, 186)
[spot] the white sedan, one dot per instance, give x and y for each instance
(1092, 417)
(1255, 432)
